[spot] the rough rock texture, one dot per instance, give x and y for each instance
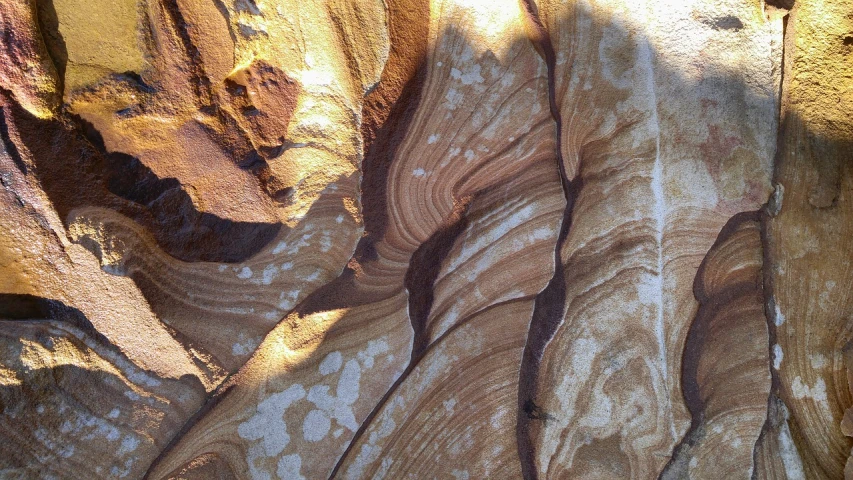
(426, 239)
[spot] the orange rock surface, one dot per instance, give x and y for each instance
(244, 239)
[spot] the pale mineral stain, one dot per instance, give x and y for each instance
(778, 355)
(471, 74)
(779, 318)
(331, 364)
(245, 273)
(269, 274)
(290, 468)
(267, 425)
(790, 455)
(817, 392)
(316, 426)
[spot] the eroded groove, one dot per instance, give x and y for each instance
(11, 148)
(424, 268)
(775, 404)
(409, 369)
(549, 305)
(716, 300)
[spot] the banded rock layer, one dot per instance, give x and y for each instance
(425, 238)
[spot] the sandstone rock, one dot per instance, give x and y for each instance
(426, 238)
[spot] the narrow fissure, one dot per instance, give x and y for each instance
(10, 146)
(424, 267)
(697, 334)
(768, 211)
(549, 306)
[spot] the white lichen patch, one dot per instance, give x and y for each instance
(818, 361)
(461, 474)
(267, 425)
(316, 426)
(468, 75)
(778, 355)
(287, 300)
(270, 273)
(244, 273)
(817, 392)
(338, 406)
(331, 363)
(779, 317)
(289, 468)
(788, 451)
(326, 242)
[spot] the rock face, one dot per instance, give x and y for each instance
(426, 238)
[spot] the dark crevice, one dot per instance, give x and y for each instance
(48, 25)
(695, 341)
(409, 369)
(11, 148)
(550, 304)
(424, 267)
(138, 82)
(25, 307)
(729, 22)
(785, 4)
(770, 210)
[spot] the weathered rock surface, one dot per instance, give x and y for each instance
(426, 238)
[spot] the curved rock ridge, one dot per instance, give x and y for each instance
(726, 375)
(246, 239)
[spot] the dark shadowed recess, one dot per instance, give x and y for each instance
(48, 25)
(549, 306)
(76, 170)
(424, 268)
(695, 343)
(387, 114)
(24, 307)
(30, 307)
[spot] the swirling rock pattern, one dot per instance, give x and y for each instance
(245, 239)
